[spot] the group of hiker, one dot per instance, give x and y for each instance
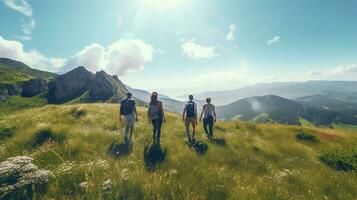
(156, 116)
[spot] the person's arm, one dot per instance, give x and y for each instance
(196, 113)
(120, 112)
(203, 108)
(163, 113)
(184, 113)
(214, 113)
(148, 116)
(136, 113)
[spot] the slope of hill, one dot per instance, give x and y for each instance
(12, 71)
(290, 90)
(23, 87)
(82, 146)
(276, 109)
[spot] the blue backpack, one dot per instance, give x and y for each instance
(127, 106)
(190, 109)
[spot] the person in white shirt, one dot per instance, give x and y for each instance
(209, 117)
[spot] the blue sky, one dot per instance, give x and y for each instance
(182, 46)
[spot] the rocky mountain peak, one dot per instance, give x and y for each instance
(100, 86)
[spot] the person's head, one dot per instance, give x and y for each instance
(208, 100)
(190, 97)
(129, 94)
(154, 97)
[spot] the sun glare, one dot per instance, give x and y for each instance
(163, 4)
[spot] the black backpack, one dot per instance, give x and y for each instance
(127, 106)
(190, 109)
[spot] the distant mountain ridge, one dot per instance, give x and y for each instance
(290, 90)
(275, 109)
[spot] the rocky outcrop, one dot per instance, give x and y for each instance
(70, 86)
(2, 92)
(17, 173)
(102, 88)
(12, 89)
(33, 87)
(86, 85)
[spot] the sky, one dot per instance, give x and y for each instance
(184, 46)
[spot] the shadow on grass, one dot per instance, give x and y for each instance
(218, 141)
(154, 155)
(119, 150)
(6, 133)
(198, 147)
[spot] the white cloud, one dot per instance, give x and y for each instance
(19, 5)
(118, 58)
(274, 40)
(24, 8)
(314, 73)
(196, 51)
(342, 72)
(126, 55)
(342, 69)
(14, 50)
(231, 34)
(27, 28)
(57, 63)
(23, 37)
(92, 57)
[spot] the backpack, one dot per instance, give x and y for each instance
(190, 109)
(154, 111)
(127, 107)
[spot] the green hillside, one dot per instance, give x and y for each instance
(82, 146)
(12, 71)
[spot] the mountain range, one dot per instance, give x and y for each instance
(318, 102)
(271, 108)
(290, 90)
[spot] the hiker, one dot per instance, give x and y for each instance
(129, 114)
(189, 116)
(156, 116)
(209, 116)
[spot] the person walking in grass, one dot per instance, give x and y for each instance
(129, 114)
(189, 116)
(156, 116)
(209, 117)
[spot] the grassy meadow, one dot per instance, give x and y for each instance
(83, 145)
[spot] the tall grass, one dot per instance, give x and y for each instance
(83, 145)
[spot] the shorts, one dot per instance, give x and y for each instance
(190, 120)
(129, 120)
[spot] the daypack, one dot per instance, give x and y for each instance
(154, 111)
(190, 109)
(127, 106)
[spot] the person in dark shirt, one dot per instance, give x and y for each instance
(129, 115)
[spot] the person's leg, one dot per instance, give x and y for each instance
(187, 125)
(159, 124)
(126, 129)
(205, 124)
(193, 129)
(131, 131)
(126, 133)
(210, 125)
(154, 130)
